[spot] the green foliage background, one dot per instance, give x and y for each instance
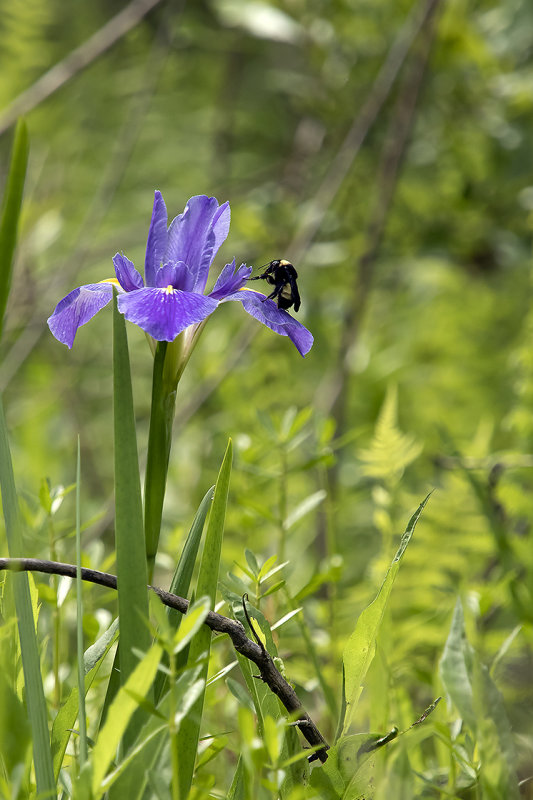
(251, 102)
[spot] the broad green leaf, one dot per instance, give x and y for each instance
(98, 650)
(132, 573)
(34, 692)
(201, 644)
(361, 645)
(191, 623)
(120, 712)
(135, 757)
(15, 732)
(10, 214)
(238, 784)
(474, 694)
(456, 667)
(305, 507)
(240, 693)
(498, 754)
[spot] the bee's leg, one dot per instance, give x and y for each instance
(274, 294)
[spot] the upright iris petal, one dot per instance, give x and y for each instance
(156, 245)
(172, 297)
(196, 235)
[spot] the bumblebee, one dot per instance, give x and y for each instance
(282, 276)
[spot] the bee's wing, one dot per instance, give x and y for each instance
(295, 293)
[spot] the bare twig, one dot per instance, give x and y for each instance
(216, 622)
(76, 61)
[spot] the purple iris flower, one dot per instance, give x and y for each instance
(176, 268)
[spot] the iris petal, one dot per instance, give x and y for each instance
(77, 308)
(278, 320)
(230, 280)
(157, 239)
(196, 235)
(127, 275)
(164, 314)
(177, 275)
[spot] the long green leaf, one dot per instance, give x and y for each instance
(11, 206)
(37, 712)
(361, 645)
(182, 577)
(157, 458)
(132, 574)
(201, 644)
(82, 717)
(66, 716)
(121, 710)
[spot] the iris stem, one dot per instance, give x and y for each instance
(159, 441)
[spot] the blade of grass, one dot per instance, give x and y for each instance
(82, 717)
(132, 574)
(35, 700)
(11, 206)
(361, 645)
(188, 733)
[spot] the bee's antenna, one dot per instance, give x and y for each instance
(256, 277)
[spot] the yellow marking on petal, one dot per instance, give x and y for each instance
(169, 290)
(247, 289)
(111, 280)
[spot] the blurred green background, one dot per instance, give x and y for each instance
(414, 260)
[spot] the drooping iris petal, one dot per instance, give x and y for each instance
(177, 275)
(77, 308)
(156, 244)
(267, 312)
(230, 280)
(127, 275)
(164, 313)
(196, 235)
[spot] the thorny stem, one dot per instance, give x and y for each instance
(216, 622)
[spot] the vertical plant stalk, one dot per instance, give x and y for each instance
(56, 616)
(31, 665)
(159, 442)
(82, 718)
(11, 205)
